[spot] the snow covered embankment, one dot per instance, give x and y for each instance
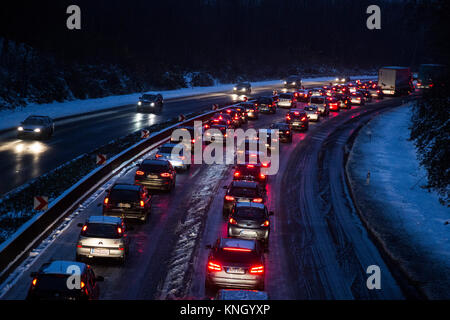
(408, 220)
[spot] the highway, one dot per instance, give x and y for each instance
(318, 248)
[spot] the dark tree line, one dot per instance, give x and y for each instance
(142, 44)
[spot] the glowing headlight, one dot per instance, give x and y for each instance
(293, 82)
(37, 130)
(243, 89)
(139, 103)
(343, 79)
(285, 82)
(152, 104)
(337, 79)
(234, 88)
(20, 128)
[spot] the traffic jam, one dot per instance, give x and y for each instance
(236, 260)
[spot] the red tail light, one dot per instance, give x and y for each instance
(287, 132)
(258, 200)
(158, 155)
(304, 119)
(140, 173)
(288, 117)
(34, 282)
(229, 198)
(265, 224)
(141, 203)
(237, 174)
(106, 201)
(265, 164)
(84, 228)
(82, 284)
(257, 270)
(165, 174)
(250, 166)
(214, 266)
(262, 176)
(296, 113)
(237, 249)
(232, 221)
(193, 140)
(119, 230)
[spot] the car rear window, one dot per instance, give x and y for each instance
(265, 100)
(244, 192)
(124, 195)
(310, 108)
(101, 230)
(251, 171)
(249, 213)
(317, 100)
(53, 282)
(237, 257)
(153, 168)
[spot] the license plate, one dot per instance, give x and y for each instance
(243, 200)
(246, 233)
(236, 270)
(152, 176)
(296, 124)
(100, 251)
(124, 205)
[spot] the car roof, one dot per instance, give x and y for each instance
(156, 162)
(104, 219)
(61, 267)
(126, 186)
(250, 205)
(244, 184)
(238, 243)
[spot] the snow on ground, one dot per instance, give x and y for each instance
(409, 220)
(12, 118)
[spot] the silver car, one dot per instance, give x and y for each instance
(312, 111)
(102, 237)
(174, 154)
(286, 100)
(36, 127)
(235, 263)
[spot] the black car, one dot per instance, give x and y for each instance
(156, 174)
(242, 113)
(366, 93)
(51, 282)
(343, 101)
(150, 102)
(189, 130)
(293, 81)
(242, 191)
(242, 88)
(266, 105)
(249, 220)
(128, 201)
(36, 127)
(249, 172)
(297, 119)
(284, 131)
(251, 110)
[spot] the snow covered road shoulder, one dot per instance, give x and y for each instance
(411, 224)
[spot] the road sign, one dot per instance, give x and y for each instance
(145, 134)
(40, 203)
(181, 117)
(215, 106)
(101, 159)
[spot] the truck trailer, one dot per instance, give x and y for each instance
(395, 80)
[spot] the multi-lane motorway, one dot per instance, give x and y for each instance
(318, 248)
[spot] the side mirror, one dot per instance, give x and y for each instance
(271, 213)
(208, 246)
(99, 279)
(80, 225)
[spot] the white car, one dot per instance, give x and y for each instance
(313, 113)
(286, 100)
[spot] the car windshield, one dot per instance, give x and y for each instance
(249, 213)
(244, 192)
(34, 121)
(101, 230)
(124, 195)
(148, 97)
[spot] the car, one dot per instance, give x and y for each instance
(189, 130)
(292, 81)
(357, 98)
(242, 191)
(333, 104)
(251, 110)
(103, 237)
(302, 96)
(253, 151)
(312, 112)
(367, 95)
(242, 88)
(249, 172)
(217, 136)
(236, 119)
(343, 100)
(297, 119)
(287, 100)
(342, 79)
(317, 92)
(128, 201)
(249, 220)
(322, 104)
(36, 127)
(174, 153)
(235, 263)
(242, 113)
(150, 102)
(221, 118)
(50, 282)
(156, 174)
(376, 92)
(266, 105)
(284, 131)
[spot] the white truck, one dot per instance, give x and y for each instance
(395, 80)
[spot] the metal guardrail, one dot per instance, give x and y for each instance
(18, 248)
